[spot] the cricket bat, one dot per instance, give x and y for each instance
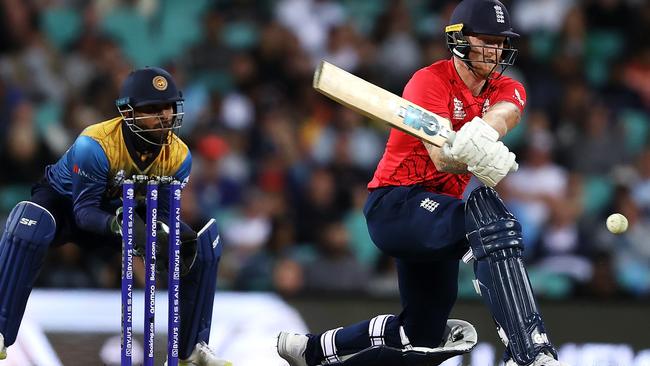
(380, 104)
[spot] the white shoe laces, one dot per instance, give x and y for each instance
(205, 350)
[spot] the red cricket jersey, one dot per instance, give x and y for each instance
(439, 89)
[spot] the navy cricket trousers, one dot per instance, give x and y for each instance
(425, 233)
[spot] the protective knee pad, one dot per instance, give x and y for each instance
(197, 290)
(29, 231)
(495, 239)
(460, 337)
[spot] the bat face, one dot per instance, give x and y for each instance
(380, 104)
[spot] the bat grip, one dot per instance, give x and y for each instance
(451, 138)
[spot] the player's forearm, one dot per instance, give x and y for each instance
(93, 219)
(451, 166)
(503, 117)
(444, 163)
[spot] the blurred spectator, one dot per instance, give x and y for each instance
(637, 74)
(398, 51)
(598, 134)
(348, 139)
(361, 244)
(24, 152)
(310, 21)
(603, 283)
(288, 277)
(564, 250)
(539, 184)
(67, 268)
(257, 272)
(214, 187)
(384, 280)
(317, 206)
(342, 46)
(540, 16)
(334, 257)
(641, 189)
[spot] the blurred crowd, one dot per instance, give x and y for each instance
(284, 170)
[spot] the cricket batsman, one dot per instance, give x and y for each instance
(415, 214)
(78, 200)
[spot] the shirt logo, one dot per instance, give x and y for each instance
(486, 106)
(499, 13)
(82, 173)
(429, 204)
(518, 97)
(459, 109)
(216, 241)
(28, 222)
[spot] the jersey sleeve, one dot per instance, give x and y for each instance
(429, 91)
(89, 177)
(509, 90)
(183, 172)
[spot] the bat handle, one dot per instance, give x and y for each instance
(451, 138)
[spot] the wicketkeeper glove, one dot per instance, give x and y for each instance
(115, 225)
(139, 232)
(188, 249)
(188, 242)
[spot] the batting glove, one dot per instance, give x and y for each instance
(471, 142)
(495, 165)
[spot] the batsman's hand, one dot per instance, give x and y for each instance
(472, 142)
(495, 165)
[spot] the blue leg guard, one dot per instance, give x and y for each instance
(197, 290)
(495, 239)
(459, 337)
(29, 230)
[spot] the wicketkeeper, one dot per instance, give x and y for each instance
(78, 199)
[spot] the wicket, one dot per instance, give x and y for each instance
(173, 291)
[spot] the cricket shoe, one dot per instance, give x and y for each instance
(291, 347)
(202, 355)
(542, 359)
(3, 349)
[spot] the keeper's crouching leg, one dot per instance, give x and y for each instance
(28, 233)
(197, 290)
